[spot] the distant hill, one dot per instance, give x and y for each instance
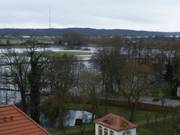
(86, 31)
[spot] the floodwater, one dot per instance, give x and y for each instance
(52, 49)
(70, 118)
(12, 97)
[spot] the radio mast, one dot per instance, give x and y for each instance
(50, 18)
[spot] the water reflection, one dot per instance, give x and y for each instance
(74, 114)
(70, 118)
(52, 49)
(9, 97)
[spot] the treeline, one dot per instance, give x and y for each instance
(84, 31)
(150, 42)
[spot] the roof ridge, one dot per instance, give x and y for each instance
(29, 118)
(1, 106)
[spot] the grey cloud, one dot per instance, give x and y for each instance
(133, 14)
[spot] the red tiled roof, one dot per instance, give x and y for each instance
(14, 122)
(115, 122)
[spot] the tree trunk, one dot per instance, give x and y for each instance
(24, 104)
(35, 102)
(132, 111)
(92, 118)
(106, 102)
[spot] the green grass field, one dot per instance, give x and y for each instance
(60, 53)
(142, 116)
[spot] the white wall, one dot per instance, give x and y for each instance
(96, 130)
(178, 91)
(133, 131)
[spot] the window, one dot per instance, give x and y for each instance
(99, 130)
(127, 133)
(105, 131)
(111, 133)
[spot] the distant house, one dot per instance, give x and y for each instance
(178, 92)
(14, 122)
(112, 124)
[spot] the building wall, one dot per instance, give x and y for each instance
(96, 130)
(133, 131)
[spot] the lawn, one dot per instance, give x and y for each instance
(60, 53)
(142, 117)
(88, 130)
(164, 127)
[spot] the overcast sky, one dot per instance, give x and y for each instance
(156, 15)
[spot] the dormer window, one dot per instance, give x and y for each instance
(100, 130)
(105, 131)
(111, 132)
(127, 133)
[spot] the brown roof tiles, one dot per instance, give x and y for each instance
(115, 122)
(15, 122)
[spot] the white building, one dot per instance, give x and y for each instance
(112, 124)
(178, 91)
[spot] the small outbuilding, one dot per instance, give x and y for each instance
(112, 124)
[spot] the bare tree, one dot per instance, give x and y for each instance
(90, 87)
(109, 63)
(18, 71)
(136, 81)
(27, 71)
(61, 76)
(73, 39)
(37, 64)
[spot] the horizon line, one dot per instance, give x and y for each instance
(44, 28)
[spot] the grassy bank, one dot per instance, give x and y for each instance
(56, 54)
(141, 116)
(76, 130)
(66, 52)
(164, 127)
(142, 119)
